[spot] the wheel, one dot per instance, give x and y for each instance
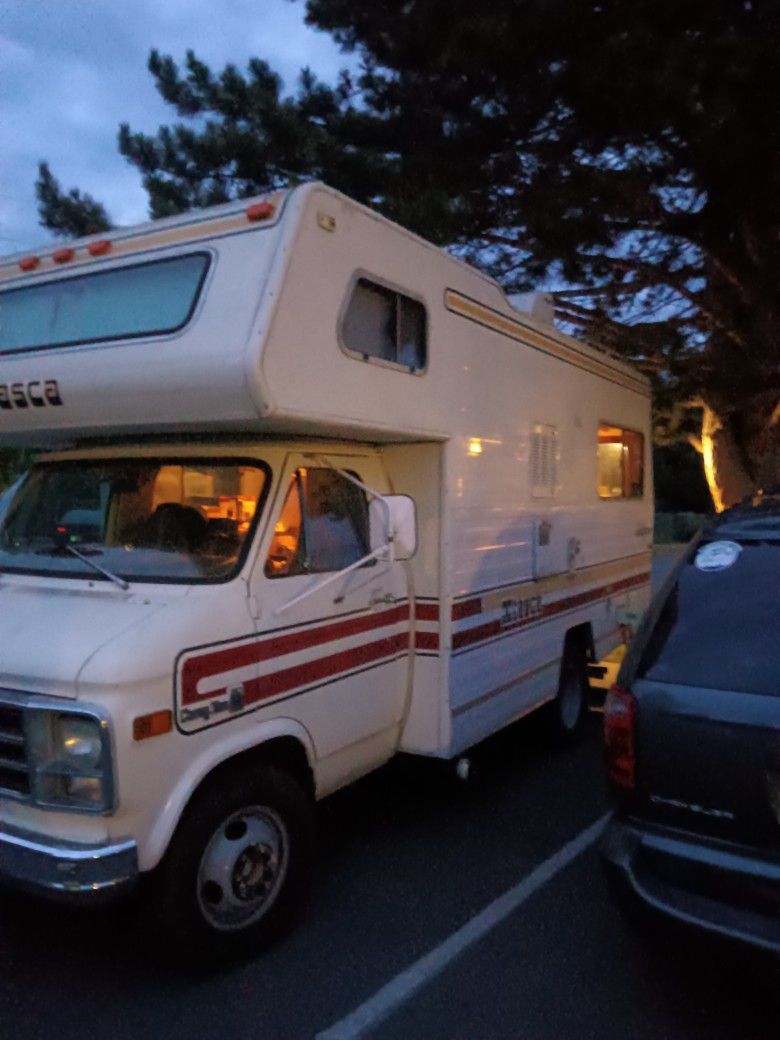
(566, 713)
(237, 869)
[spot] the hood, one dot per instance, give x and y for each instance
(49, 630)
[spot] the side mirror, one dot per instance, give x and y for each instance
(403, 524)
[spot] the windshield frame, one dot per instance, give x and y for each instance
(119, 337)
(162, 459)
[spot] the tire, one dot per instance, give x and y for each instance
(237, 871)
(566, 713)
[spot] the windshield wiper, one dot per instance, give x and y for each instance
(124, 585)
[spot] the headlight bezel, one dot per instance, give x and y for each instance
(45, 720)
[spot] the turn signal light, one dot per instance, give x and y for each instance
(99, 248)
(153, 725)
(260, 211)
(620, 737)
(29, 263)
(62, 256)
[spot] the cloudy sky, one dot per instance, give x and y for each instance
(72, 70)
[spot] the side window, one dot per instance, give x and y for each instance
(620, 462)
(323, 525)
(383, 324)
(544, 455)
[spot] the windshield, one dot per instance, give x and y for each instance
(142, 519)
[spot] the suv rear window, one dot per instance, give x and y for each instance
(719, 628)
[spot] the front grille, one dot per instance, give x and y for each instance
(14, 772)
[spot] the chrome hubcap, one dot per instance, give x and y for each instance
(243, 868)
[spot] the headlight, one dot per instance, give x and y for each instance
(69, 760)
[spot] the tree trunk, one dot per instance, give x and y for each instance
(741, 453)
(727, 476)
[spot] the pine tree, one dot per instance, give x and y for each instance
(628, 150)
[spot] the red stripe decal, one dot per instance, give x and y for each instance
(426, 611)
(493, 628)
(323, 668)
(466, 608)
(215, 662)
(426, 641)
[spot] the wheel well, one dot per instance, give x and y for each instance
(286, 753)
(578, 642)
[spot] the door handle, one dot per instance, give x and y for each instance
(642, 531)
(379, 599)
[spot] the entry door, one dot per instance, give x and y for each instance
(333, 655)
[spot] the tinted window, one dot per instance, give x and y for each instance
(719, 629)
(323, 525)
(142, 299)
(620, 462)
(384, 324)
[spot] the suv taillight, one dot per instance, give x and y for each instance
(619, 741)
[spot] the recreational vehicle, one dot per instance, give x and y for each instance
(311, 492)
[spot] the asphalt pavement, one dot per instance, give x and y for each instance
(409, 858)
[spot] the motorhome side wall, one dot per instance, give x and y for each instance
(484, 391)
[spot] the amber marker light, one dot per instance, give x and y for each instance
(99, 248)
(154, 725)
(260, 211)
(29, 263)
(63, 256)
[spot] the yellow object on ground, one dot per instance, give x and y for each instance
(603, 674)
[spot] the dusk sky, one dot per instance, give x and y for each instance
(72, 70)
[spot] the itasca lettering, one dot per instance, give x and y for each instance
(38, 393)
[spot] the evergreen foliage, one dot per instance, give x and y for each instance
(625, 151)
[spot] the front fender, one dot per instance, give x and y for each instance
(152, 849)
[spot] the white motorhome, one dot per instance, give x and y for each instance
(312, 492)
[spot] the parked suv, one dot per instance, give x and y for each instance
(692, 735)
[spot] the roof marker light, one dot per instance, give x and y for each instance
(29, 263)
(260, 211)
(99, 248)
(62, 256)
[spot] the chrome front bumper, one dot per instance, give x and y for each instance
(66, 869)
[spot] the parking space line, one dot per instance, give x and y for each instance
(404, 986)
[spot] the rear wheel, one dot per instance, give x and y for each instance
(566, 713)
(237, 869)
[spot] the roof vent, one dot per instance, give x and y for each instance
(539, 305)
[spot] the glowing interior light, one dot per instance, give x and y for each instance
(475, 446)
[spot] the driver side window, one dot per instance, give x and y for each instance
(323, 525)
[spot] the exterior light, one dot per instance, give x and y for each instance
(63, 256)
(260, 211)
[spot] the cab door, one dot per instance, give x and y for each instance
(333, 652)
